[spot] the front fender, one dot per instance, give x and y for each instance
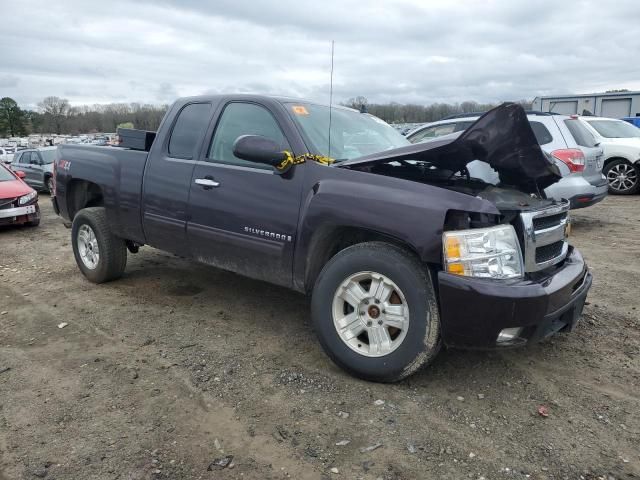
(411, 212)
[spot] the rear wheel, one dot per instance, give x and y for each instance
(100, 255)
(623, 177)
(49, 185)
(375, 312)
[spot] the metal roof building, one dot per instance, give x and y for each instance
(613, 104)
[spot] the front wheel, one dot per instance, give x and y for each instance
(375, 312)
(623, 177)
(100, 255)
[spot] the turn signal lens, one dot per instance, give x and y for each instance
(455, 268)
(453, 247)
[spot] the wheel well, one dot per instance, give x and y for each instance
(82, 194)
(327, 242)
(612, 159)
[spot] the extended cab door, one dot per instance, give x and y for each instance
(167, 177)
(242, 215)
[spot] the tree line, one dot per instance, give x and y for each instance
(57, 115)
(416, 113)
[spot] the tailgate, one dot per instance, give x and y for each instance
(593, 161)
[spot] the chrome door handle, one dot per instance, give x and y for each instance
(207, 182)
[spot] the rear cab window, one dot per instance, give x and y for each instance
(188, 130)
(580, 133)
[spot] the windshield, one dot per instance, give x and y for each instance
(48, 156)
(615, 129)
(5, 175)
(353, 134)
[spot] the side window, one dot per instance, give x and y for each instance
(426, 133)
(243, 119)
(25, 158)
(543, 136)
(581, 135)
(35, 158)
(17, 158)
(188, 130)
(434, 132)
(462, 126)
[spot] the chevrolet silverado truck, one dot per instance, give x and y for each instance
(400, 248)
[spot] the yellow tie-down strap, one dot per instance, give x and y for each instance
(290, 160)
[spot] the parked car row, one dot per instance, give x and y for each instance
(591, 152)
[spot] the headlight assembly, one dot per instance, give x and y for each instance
(483, 252)
(27, 198)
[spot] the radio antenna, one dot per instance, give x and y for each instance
(330, 97)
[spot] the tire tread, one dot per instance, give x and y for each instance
(113, 250)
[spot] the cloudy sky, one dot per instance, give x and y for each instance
(406, 50)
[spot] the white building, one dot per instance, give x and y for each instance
(614, 104)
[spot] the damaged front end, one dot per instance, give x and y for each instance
(508, 278)
(502, 138)
(497, 159)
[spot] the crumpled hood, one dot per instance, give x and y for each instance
(502, 137)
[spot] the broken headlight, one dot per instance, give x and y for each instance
(483, 252)
(28, 197)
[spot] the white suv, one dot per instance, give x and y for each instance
(570, 144)
(621, 143)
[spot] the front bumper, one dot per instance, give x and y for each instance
(473, 311)
(26, 213)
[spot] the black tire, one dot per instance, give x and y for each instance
(112, 250)
(36, 222)
(33, 223)
(614, 188)
(422, 340)
(48, 183)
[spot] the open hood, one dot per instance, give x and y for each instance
(502, 137)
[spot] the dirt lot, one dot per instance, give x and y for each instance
(176, 365)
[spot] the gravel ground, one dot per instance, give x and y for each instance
(171, 370)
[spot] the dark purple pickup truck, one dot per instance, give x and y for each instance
(401, 249)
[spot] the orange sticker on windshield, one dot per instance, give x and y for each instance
(299, 110)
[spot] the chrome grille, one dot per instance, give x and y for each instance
(549, 252)
(544, 236)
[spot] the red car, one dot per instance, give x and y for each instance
(18, 201)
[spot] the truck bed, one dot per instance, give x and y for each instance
(118, 171)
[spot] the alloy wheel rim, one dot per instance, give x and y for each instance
(370, 314)
(88, 247)
(622, 177)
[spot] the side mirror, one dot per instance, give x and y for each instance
(256, 148)
(20, 174)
